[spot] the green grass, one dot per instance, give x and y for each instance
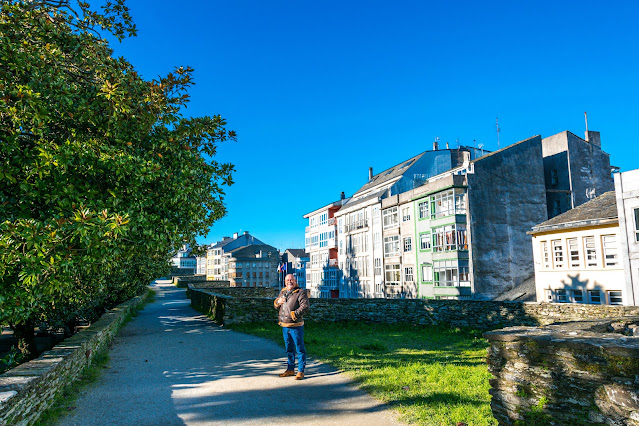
(431, 376)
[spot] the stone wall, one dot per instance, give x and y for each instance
(246, 305)
(183, 280)
(30, 388)
(572, 373)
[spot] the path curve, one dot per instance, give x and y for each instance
(173, 366)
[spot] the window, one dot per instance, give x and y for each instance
(545, 255)
(427, 272)
(323, 239)
(450, 273)
(408, 274)
(637, 225)
(378, 266)
(609, 245)
(423, 210)
(406, 214)
(323, 218)
(554, 177)
(392, 275)
(560, 296)
(558, 254)
(443, 204)
(614, 298)
(578, 296)
(591, 252)
(424, 241)
(573, 253)
(595, 296)
(450, 237)
(391, 246)
(389, 218)
(408, 244)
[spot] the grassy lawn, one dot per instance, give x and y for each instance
(432, 376)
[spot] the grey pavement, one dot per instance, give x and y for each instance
(173, 366)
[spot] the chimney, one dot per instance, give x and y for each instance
(466, 158)
(245, 232)
(370, 173)
(341, 195)
(435, 146)
(235, 235)
(594, 138)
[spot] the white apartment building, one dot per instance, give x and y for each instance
(627, 192)
(322, 271)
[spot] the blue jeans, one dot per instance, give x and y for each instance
(294, 342)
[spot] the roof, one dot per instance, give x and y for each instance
(390, 174)
(298, 252)
(357, 201)
(600, 210)
(252, 250)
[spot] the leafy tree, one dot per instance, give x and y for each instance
(102, 176)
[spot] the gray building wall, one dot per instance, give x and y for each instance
(506, 198)
(575, 170)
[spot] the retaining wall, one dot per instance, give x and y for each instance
(234, 305)
(567, 374)
(30, 388)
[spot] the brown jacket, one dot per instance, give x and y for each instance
(292, 311)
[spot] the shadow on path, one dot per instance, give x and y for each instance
(172, 365)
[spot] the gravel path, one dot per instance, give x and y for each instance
(172, 366)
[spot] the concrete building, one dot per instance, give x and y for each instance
(296, 260)
(322, 271)
(577, 256)
(576, 170)
(216, 259)
(627, 195)
(253, 266)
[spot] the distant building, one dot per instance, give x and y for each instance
(296, 260)
(578, 255)
(217, 268)
(184, 261)
(627, 192)
(253, 266)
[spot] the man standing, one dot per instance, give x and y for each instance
(293, 304)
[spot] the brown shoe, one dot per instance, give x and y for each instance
(287, 373)
(300, 376)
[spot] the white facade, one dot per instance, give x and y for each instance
(627, 193)
(580, 265)
(322, 272)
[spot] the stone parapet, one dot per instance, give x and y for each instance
(256, 304)
(572, 373)
(30, 388)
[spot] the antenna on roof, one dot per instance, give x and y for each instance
(586, 117)
(498, 130)
(481, 146)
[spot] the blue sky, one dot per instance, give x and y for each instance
(318, 92)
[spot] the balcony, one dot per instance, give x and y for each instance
(360, 224)
(332, 263)
(332, 222)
